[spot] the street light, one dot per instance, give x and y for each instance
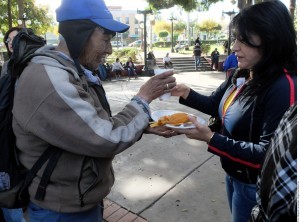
(172, 30)
(152, 22)
(142, 36)
(144, 13)
(24, 20)
(230, 13)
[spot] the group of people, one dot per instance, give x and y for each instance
(117, 68)
(251, 104)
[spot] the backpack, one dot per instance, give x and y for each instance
(14, 178)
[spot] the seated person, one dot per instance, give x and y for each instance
(117, 68)
(167, 61)
(177, 47)
(151, 59)
(131, 68)
(102, 72)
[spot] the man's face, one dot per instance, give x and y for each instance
(96, 50)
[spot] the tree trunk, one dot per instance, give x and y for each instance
(292, 8)
(244, 3)
(9, 14)
(21, 11)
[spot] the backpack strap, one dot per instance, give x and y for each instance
(41, 191)
(52, 154)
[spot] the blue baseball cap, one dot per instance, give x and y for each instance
(93, 10)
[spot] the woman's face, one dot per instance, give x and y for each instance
(10, 39)
(247, 56)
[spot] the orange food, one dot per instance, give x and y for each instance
(174, 119)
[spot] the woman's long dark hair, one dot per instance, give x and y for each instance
(6, 37)
(272, 22)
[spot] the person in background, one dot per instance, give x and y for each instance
(167, 62)
(277, 182)
(101, 72)
(214, 59)
(151, 60)
(131, 68)
(230, 63)
(10, 215)
(264, 87)
(197, 55)
(8, 39)
(66, 106)
(117, 68)
(197, 41)
(177, 47)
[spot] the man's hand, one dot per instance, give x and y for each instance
(161, 131)
(157, 86)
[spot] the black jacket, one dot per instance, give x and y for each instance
(246, 131)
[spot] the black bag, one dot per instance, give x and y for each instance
(215, 124)
(14, 178)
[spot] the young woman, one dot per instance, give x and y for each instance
(131, 68)
(8, 39)
(263, 88)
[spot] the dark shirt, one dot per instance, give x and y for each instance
(197, 51)
(215, 55)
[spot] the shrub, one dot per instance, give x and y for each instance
(205, 48)
(123, 55)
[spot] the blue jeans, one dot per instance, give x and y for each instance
(13, 215)
(38, 214)
(241, 198)
(197, 61)
(131, 72)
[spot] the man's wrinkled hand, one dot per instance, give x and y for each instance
(157, 86)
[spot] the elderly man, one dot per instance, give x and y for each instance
(59, 102)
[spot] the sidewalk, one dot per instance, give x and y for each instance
(166, 180)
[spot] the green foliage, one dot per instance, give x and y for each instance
(187, 5)
(205, 48)
(123, 55)
(163, 34)
(41, 21)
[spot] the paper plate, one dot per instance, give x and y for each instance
(159, 113)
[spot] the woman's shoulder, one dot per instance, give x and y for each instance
(285, 86)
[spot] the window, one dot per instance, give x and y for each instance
(136, 31)
(127, 20)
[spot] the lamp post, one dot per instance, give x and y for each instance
(172, 33)
(142, 36)
(230, 13)
(152, 22)
(145, 12)
(24, 20)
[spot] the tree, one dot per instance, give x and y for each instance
(210, 26)
(41, 21)
(187, 5)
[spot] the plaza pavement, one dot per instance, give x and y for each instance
(167, 180)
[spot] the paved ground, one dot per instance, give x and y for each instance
(167, 180)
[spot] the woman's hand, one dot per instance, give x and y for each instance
(181, 90)
(201, 132)
(161, 131)
(157, 86)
